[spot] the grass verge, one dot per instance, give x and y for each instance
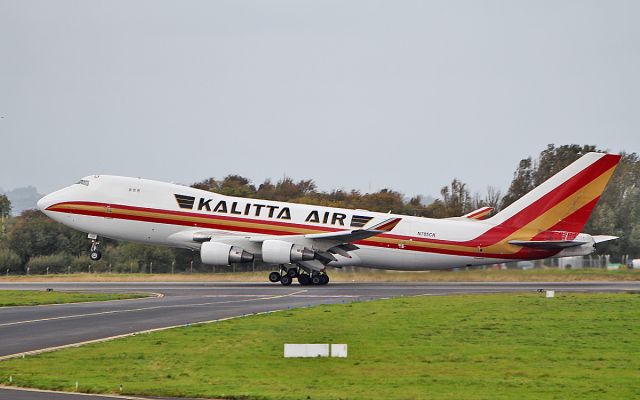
(473, 275)
(502, 346)
(36, 297)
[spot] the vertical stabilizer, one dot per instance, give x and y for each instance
(564, 202)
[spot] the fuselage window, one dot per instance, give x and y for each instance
(83, 182)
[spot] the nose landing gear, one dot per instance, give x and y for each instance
(95, 253)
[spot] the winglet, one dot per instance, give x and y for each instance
(385, 226)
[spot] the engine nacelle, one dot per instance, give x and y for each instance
(281, 252)
(216, 253)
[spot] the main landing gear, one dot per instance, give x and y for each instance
(286, 275)
(95, 253)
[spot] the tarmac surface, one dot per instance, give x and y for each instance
(37, 328)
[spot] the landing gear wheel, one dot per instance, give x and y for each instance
(304, 279)
(324, 279)
(292, 273)
(285, 280)
(315, 279)
(94, 253)
(274, 277)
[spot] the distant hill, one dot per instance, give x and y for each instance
(24, 198)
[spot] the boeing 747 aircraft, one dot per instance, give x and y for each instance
(301, 240)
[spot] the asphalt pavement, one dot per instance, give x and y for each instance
(37, 328)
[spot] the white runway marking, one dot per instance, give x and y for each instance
(125, 335)
(319, 296)
(149, 295)
(108, 396)
(237, 295)
(146, 309)
(327, 296)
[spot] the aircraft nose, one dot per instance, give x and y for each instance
(44, 203)
(59, 196)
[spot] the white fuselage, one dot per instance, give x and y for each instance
(160, 213)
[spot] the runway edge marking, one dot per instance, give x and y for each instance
(146, 331)
(143, 309)
(113, 396)
(147, 296)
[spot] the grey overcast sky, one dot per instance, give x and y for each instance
(353, 94)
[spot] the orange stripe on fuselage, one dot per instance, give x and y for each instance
(557, 205)
(252, 226)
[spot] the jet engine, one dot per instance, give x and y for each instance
(281, 252)
(217, 253)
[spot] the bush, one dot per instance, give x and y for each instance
(84, 264)
(56, 263)
(9, 260)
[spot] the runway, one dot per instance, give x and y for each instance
(31, 329)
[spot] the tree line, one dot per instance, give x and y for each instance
(33, 243)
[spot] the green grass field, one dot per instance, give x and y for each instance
(36, 297)
(505, 346)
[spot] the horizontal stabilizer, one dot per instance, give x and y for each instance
(547, 244)
(603, 238)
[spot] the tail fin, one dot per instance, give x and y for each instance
(564, 202)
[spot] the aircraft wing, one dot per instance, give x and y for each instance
(356, 234)
(330, 243)
(324, 245)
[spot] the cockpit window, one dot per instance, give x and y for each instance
(83, 182)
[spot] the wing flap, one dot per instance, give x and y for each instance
(357, 234)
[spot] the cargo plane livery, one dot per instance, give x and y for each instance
(301, 240)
